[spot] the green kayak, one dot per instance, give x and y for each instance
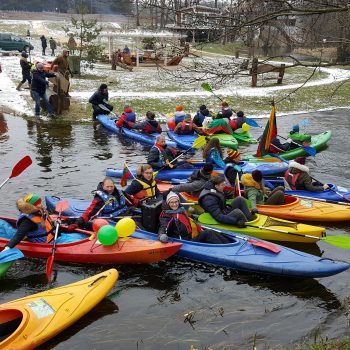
(319, 142)
(4, 267)
(244, 136)
(226, 140)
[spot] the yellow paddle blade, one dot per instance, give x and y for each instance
(199, 142)
(338, 241)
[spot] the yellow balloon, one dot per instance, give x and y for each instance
(245, 127)
(125, 227)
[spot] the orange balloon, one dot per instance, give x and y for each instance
(98, 223)
(171, 124)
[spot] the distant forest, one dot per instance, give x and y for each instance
(123, 7)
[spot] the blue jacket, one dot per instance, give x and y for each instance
(39, 82)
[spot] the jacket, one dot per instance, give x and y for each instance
(195, 183)
(299, 138)
(215, 158)
(147, 126)
(179, 116)
(26, 67)
(98, 98)
(252, 190)
(158, 155)
(62, 64)
(304, 180)
(39, 82)
(140, 188)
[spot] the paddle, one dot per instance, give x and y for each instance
(108, 110)
(252, 122)
(60, 206)
(10, 255)
(338, 241)
(197, 143)
(311, 151)
(262, 244)
(333, 190)
(207, 87)
(19, 168)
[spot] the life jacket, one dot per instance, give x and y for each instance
(191, 227)
(163, 154)
(148, 191)
(113, 206)
(130, 116)
(150, 129)
(186, 128)
(233, 124)
(292, 179)
(41, 234)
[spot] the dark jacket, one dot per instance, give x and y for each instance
(200, 116)
(226, 112)
(43, 42)
(26, 66)
(156, 159)
(195, 183)
(98, 98)
(39, 82)
(214, 203)
(147, 126)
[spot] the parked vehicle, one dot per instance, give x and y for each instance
(10, 42)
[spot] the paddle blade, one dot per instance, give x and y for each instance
(10, 255)
(21, 166)
(252, 122)
(266, 245)
(206, 87)
(338, 241)
(199, 142)
(309, 150)
(61, 206)
(49, 267)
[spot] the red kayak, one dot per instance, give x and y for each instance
(89, 250)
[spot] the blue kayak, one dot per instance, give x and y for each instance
(266, 168)
(148, 139)
(7, 258)
(245, 254)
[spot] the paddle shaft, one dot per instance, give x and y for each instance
(18, 168)
(336, 192)
(308, 149)
(107, 110)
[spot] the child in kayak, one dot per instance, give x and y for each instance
(147, 126)
(213, 153)
(297, 137)
(187, 127)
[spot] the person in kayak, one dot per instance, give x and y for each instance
(160, 156)
(147, 126)
(107, 202)
(213, 200)
(128, 116)
(238, 122)
(187, 127)
(257, 193)
(226, 112)
(179, 114)
(174, 222)
(201, 115)
(297, 137)
(33, 223)
(233, 167)
(213, 153)
(298, 178)
(143, 187)
(100, 97)
(276, 146)
(196, 181)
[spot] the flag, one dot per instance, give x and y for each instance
(125, 176)
(269, 133)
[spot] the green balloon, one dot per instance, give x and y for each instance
(107, 235)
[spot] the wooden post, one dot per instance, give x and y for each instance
(254, 72)
(137, 53)
(110, 46)
(281, 73)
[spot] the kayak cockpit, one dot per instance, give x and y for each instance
(10, 320)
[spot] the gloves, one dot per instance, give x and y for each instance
(71, 228)
(169, 164)
(254, 211)
(6, 248)
(325, 186)
(241, 223)
(163, 238)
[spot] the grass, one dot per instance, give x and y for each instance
(17, 29)
(228, 49)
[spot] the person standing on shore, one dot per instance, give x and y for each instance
(72, 44)
(53, 46)
(43, 43)
(63, 66)
(26, 66)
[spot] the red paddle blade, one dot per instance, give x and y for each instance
(20, 166)
(61, 206)
(269, 246)
(49, 268)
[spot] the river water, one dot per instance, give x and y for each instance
(146, 308)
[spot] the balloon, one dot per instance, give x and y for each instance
(125, 227)
(107, 235)
(98, 223)
(171, 124)
(245, 126)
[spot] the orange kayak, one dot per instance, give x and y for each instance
(30, 321)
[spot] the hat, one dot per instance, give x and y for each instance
(33, 199)
(257, 175)
(208, 168)
(300, 160)
(103, 86)
(233, 154)
(240, 114)
(39, 65)
(179, 108)
(24, 54)
(170, 196)
(295, 128)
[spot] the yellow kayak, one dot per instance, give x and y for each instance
(271, 229)
(28, 322)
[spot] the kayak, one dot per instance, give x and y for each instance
(30, 321)
(244, 136)
(266, 168)
(319, 142)
(246, 254)
(270, 229)
(148, 139)
(7, 258)
(90, 250)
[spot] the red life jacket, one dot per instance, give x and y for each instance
(186, 128)
(233, 124)
(149, 129)
(291, 179)
(183, 218)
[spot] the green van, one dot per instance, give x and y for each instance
(10, 42)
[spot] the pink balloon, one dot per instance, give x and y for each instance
(98, 223)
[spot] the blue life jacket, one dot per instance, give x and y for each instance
(40, 234)
(200, 118)
(130, 116)
(114, 206)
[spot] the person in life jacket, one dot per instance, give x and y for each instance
(297, 137)
(233, 166)
(187, 127)
(126, 117)
(213, 200)
(226, 111)
(298, 178)
(174, 222)
(179, 114)
(257, 193)
(33, 222)
(238, 122)
(107, 202)
(148, 126)
(160, 156)
(277, 147)
(143, 187)
(201, 115)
